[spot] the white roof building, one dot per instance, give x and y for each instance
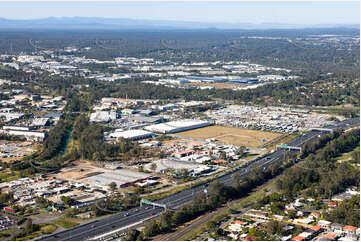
(40, 121)
(134, 134)
(103, 116)
(177, 126)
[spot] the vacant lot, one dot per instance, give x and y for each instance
(231, 135)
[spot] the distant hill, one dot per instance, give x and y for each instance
(137, 24)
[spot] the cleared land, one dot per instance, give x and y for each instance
(232, 135)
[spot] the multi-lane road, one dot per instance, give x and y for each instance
(137, 215)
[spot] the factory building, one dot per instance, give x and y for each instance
(177, 126)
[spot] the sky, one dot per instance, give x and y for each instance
(292, 12)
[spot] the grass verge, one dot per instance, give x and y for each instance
(65, 222)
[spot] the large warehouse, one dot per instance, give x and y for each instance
(177, 126)
(133, 134)
(121, 177)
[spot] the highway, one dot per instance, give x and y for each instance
(132, 216)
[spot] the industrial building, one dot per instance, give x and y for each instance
(11, 116)
(134, 134)
(29, 135)
(122, 178)
(103, 116)
(40, 122)
(177, 126)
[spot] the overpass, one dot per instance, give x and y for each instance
(288, 147)
(320, 129)
(146, 201)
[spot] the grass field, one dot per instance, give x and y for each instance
(347, 156)
(66, 223)
(232, 135)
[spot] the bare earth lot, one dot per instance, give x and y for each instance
(232, 135)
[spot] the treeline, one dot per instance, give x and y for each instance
(311, 148)
(56, 140)
(88, 143)
(320, 175)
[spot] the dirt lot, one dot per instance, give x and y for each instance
(231, 135)
(80, 170)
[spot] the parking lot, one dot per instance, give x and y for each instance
(6, 222)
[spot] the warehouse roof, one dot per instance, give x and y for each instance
(129, 134)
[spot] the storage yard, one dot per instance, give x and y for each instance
(231, 135)
(15, 150)
(275, 119)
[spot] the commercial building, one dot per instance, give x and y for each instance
(135, 134)
(177, 126)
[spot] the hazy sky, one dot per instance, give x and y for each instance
(253, 12)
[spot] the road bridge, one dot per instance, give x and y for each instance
(320, 129)
(288, 147)
(146, 201)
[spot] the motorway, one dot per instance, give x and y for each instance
(136, 215)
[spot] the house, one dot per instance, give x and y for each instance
(318, 229)
(324, 223)
(298, 238)
(236, 226)
(332, 204)
(337, 228)
(350, 229)
(306, 235)
(316, 214)
(331, 236)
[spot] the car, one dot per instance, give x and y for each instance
(152, 213)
